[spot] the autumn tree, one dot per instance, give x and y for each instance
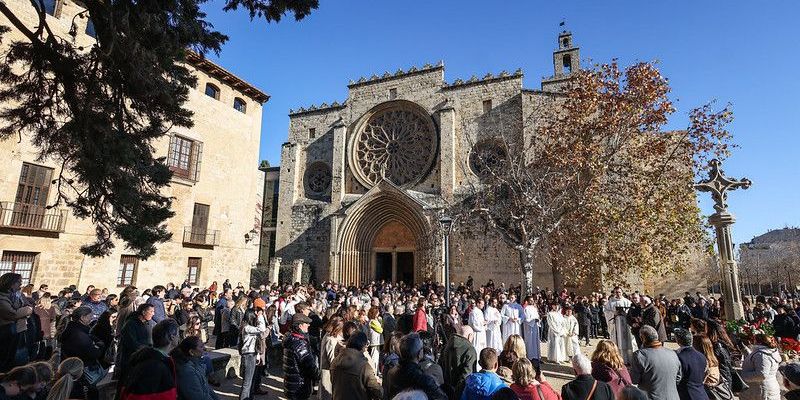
(96, 110)
(600, 184)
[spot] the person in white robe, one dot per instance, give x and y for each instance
(530, 330)
(555, 335)
(478, 324)
(493, 337)
(615, 312)
(572, 345)
(512, 313)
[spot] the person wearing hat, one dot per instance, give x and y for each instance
(300, 364)
(790, 374)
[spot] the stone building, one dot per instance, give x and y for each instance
(215, 229)
(364, 182)
(269, 213)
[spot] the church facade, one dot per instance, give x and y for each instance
(364, 183)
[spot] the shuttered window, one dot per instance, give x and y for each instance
(184, 157)
(200, 223)
(32, 192)
(194, 269)
(127, 270)
(18, 262)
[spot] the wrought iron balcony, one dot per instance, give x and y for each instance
(31, 217)
(200, 237)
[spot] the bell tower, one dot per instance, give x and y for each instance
(566, 59)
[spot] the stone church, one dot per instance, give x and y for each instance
(364, 183)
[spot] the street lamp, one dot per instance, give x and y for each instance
(447, 224)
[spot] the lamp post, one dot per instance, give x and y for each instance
(718, 184)
(447, 224)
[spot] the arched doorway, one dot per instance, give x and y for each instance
(393, 253)
(366, 238)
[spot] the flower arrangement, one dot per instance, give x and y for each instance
(744, 332)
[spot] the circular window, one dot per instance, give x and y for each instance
(318, 178)
(487, 156)
(397, 141)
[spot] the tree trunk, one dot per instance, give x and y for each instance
(526, 262)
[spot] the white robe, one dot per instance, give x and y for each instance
(571, 344)
(530, 330)
(478, 324)
(555, 337)
(512, 320)
(493, 337)
(618, 327)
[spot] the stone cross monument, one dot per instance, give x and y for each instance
(718, 184)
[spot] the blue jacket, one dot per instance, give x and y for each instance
(160, 312)
(481, 385)
(693, 368)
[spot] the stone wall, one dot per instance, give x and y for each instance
(228, 182)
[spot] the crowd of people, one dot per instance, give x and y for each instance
(384, 341)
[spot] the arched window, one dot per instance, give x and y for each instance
(212, 91)
(567, 64)
(239, 105)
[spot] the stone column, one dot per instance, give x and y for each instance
(297, 270)
(274, 270)
(338, 162)
(722, 221)
(447, 123)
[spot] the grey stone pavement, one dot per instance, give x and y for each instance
(274, 382)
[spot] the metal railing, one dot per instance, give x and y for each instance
(202, 237)
(31, 217)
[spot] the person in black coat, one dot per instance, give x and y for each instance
(150, 370)
(300, 365)
(693, 368)
(584, 317)
(408, 374)
(133, 336)
(584, 386)
(784, 324)
(77, 342)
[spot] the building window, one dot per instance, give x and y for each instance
(184, 157)
(312, 133)
(29, 208)
(239, 105)
(392, 93)
(212, 91)
(18, 262)
(90, 28)
(194, 270)
(487, 106)
(199, 233)
(567, 61)
(127, 269)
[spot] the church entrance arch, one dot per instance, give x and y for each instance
(384, 235)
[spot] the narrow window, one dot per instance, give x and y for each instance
(565, 43)
(239, 105)
(567, 62)
(312, 133)
(194, 270)
(212, 91)
(487, 106)
(18, 262)
(392, 93)
(127, 269)
(184, 157)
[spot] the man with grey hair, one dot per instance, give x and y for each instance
(408, 374)
(656, 369)
(652, 316)
(584, 386)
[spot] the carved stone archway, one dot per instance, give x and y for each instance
(385, 203)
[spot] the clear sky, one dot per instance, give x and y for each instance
(743, 52)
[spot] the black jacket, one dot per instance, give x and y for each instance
(693, 369)
(579, 388)
(725, 363)
(651, 316)
(77, 342)
(300, 366)
(409, 374)
(458, 360)
(784, 326)
(133, 336)
(582, 314)
(149, 371)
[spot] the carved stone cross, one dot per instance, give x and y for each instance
(719, 184)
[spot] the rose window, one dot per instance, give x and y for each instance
(397, 143)
(486, 158)
(318, 178)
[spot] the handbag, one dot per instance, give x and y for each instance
(94, 373)
(738, 384)
(719, 392)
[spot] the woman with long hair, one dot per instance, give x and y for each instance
(722, 350)
(331, 341)
(16, 381)
(712, 381)
(760, 370)
(514, 344)
(104, 330)
(47, 313)
(252, 328)
(190, 370)
(68, 383)
(195, 328)
(526, 386)
(608, 366)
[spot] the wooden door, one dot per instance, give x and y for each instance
(200, 223)
(31, 199)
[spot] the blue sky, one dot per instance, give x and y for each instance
(742, 52)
